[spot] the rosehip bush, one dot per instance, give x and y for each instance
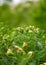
(22, 46)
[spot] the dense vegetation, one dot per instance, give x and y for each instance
(22, 46)
(23, 34)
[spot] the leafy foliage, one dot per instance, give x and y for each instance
(22, 46)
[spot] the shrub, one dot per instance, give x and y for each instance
(22, 46)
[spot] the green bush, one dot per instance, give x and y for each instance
(22, 46)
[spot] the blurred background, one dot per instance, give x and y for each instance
(14, 13)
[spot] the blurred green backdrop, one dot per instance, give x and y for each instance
(26, 14)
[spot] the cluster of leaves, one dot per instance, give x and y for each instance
(22, 46)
